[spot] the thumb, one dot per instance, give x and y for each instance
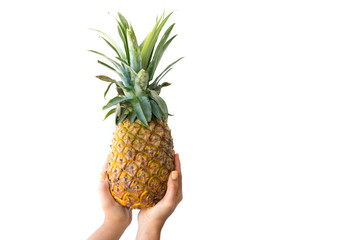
(172, 187)
(104, 189)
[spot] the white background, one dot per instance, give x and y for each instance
(266, 117)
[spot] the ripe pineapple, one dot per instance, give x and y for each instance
(142, 156)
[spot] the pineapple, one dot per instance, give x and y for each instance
(142, 155)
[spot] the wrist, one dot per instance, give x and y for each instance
(115, 224)
(148, 232)
(108, 230)
(148, 225)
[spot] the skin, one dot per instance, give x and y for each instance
(150, 220)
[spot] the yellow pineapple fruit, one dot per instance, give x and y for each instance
(142, 156)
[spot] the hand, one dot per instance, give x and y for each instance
(117, 217)
(151, 220)
(114, 212)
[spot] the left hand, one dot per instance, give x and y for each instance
(114, 212)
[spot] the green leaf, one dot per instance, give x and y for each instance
(111, 43)
(159, 87)
(107, 89)
(142, 43)
(148, 46)
(151, 40)
(127, 65)
(139, 111)
(160, 102)
(160, 53)
(160, 49)
(135, 57)
(132, 117)
(118, 110)
(114, 101)
(120, 91)
(106, 65)
(127, 91)
(166, 70)
(123, 114)
(123, 20)
(165, 84)
(121, 34)
(158, 79)
(105, 78)
(124, 25)
(109, 113)
(116, 64)
(141, 81)
(155, 109)
(121, 54)
(146, 107)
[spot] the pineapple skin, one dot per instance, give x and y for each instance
(141, 160)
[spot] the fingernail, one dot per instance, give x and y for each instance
(174, 175)
(103, 176)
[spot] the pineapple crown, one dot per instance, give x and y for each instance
(138, 90)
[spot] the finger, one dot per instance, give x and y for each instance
(104, 191)
(172, 187)
(179, 195)
(177, 164)
(104, 187)
(103, 174)
(178, 168)
(106, 164)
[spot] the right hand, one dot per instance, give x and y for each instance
(153, 219)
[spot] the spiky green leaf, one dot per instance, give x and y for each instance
(159, 87)
(127, 66)
(123, 21)
(155, 109)
(124, 25)
(132, 117)
(114, 101)
(106, 65)
(141, 82)
(136, 105)
(146, 107)
(112, 44)
(118, 110)
(162, 105)
(166, 70)
(142, 43)
(117, 65)
(160, 53)
(158, 79)
(134, 50)
(123, 114)
(120, 32)
(160, 49)
(107, 89)
(106, 78)
(127, 91)
(120, 91)
(151, 40)
(165, 84)
(109, 113)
